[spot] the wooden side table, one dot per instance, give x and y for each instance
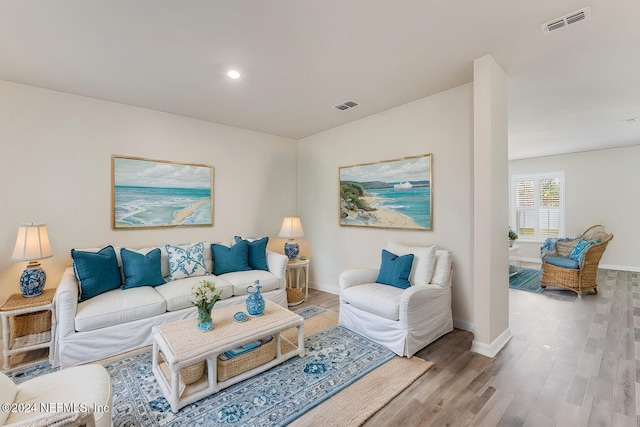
(297, 281)
(27, 324)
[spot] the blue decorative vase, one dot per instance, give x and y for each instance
(205, 322)
(32, 281)
(255, 301)
(291, 250)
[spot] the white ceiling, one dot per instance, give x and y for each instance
(569, 91)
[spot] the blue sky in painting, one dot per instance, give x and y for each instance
(147, 173)
(415, 169)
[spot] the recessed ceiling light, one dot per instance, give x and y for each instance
(233, 74)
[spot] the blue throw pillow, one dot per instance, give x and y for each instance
(257, 252)
(97, 272)
(395, 270)
(186, 261)
(228, 260)
(141, 270)
(577, 254)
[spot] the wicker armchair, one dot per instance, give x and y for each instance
(579, 278)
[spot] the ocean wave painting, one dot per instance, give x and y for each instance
(388, 194)
(155, 193)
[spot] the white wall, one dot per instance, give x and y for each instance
(55, 167)
(440, 124)
(601, 187)
(491, 209)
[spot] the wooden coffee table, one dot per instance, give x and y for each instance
(179, 344)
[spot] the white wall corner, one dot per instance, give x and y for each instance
(463, 324)
(490, 350)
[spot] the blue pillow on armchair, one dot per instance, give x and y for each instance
(395, 270)
(577, 254)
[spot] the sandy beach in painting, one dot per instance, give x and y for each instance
(382, 217)
(187, 212)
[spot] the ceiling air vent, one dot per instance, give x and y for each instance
(346, 105)
(563, 21)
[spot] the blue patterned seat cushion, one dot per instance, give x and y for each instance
(561, 261)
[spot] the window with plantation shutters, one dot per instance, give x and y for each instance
(538, 205)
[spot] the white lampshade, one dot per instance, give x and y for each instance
(32, 243)
(291, 227)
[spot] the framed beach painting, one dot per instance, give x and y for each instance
(388, 194)
(158, 193)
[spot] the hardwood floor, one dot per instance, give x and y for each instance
(570, 362)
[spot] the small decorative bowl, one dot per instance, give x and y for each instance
(240, 317)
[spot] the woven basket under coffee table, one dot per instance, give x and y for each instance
(178, 345)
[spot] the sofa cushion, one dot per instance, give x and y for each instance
(229, 259)
(8, 392)
(395, 269)
(423, 263)
(97, 272)
(561, 261)
(375, 298)
(118, 306)
(242, 279)
(257, 252)
(177, 293)
(141, 269)
(186, 260)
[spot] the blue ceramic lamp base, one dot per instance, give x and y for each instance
(32, 280)
(291, 250)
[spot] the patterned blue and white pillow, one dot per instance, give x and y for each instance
(577, 254)
(186, 261)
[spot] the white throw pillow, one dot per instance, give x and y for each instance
(423, 262)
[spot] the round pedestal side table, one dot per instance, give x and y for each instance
(297, 276)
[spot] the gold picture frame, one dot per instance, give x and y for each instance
(395, 193)
(148, 193)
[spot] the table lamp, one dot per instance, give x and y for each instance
(32, 245)
(291, 228)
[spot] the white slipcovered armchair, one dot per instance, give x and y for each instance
(403, 320)
(77, 396)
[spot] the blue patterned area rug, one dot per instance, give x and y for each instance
(335, 358)
(527, 279)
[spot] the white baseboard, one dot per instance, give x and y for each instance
(619, 267)
(490, 350)
(325, 288)
(463, 324)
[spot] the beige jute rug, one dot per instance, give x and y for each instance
(354, 405)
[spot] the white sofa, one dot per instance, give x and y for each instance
(403, 320)
(120, 320)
